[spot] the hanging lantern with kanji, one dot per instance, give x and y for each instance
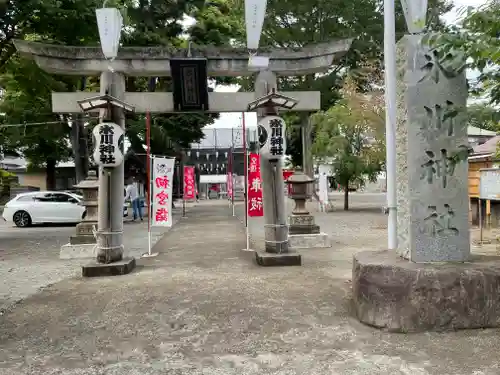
(108, 144)
(272, 137)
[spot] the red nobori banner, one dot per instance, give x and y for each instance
(255, 206)
(189, 184)
(286, 176)
(229, 184)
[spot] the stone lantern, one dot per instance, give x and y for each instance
(89, 188)
(83, 244)
(301, 221)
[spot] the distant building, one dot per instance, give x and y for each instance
(478, 136)
(211, 156)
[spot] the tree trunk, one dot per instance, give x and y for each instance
(50, 174)
(346, 197)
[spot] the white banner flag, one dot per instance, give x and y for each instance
(163, 174)
(415, 12)
(255, 12)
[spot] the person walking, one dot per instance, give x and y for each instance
(133, 195)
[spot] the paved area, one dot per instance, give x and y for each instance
(29, 257)
(203, 307)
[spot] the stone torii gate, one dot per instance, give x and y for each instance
(154, 62)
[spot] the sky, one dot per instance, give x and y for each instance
(234, 119)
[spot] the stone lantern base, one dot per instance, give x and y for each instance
(81, 251)
(305, 234)
(302, 224)
(83, 245)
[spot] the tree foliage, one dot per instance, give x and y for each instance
(349, 136)
(478, 36)
(73, 22)
(297, 23)
(484, 116)
(25, 101)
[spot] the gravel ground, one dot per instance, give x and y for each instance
(363, 224)
(29, 257)
(203, 307)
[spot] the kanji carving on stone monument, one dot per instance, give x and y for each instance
(442, 167)
(441, 223)
(437, 63)
(440, 118)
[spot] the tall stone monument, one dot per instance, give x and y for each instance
(432, 149)
(433, 282)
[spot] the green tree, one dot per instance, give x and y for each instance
(214, 26)
(27, 89)
(477, 35)
(71, 22)
(296, 23)
(483, 116)
(59, 22)
(349, 135)
(16, 19)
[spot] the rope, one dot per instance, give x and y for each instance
(278, 242)
(96, 232)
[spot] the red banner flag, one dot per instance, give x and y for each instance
(189, 184)
(286, 176)
(229, 184)
(254, 188)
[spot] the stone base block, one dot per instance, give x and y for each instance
(401, 296)
(82, 239)
(81, 251)
(303, 229)
(308, 241)
(122, 267)
(283, 259)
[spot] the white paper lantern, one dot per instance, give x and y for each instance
(272, 137)
(110, 23)
(108, 144)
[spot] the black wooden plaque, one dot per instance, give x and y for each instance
(190, 86)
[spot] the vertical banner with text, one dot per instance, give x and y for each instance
(163, 172)
(189, 184)
(229, 184)
(286, 176)
(255, 205)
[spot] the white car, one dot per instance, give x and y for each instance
(44, 207)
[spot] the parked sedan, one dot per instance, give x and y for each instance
(44, 207)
